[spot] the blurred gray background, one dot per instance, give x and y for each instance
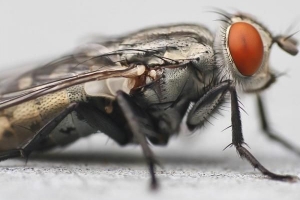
(195, 167)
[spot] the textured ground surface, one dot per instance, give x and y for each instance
(109, 172)
(195, 167)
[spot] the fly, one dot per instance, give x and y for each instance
(138, 88)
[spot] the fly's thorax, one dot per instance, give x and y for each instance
(172, 54)
(168, 45)
(243, 48)
(170, 31)
(170, 85)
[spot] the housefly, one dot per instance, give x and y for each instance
(138, 88)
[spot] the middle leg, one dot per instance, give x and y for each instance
(141, 127)
(267, 130)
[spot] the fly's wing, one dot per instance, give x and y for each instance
(89, 63)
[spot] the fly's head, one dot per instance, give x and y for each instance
(243, 48)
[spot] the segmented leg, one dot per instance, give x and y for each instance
(39, 136)
(111, 124)
(208, 104)
(266, 128)
(238, 141)
(140, 127)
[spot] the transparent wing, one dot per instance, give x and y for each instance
(86, 58)
(88, 64)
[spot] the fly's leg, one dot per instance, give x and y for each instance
(39, 136)
(238, 141)
(111, 124)
(208, 104)
(266, 129)
(124, 122)
(141, 127)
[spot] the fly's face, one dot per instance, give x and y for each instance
(244, 45)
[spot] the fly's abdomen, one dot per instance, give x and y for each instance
(18, 124)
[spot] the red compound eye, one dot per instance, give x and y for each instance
(246, 48)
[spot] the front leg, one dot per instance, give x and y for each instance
(209, 104)
(237, 141)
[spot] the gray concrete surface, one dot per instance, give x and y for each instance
(108, 172)
(194, 166)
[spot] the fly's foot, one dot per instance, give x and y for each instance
(152, 162)
(244, 153)
(286, 178)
